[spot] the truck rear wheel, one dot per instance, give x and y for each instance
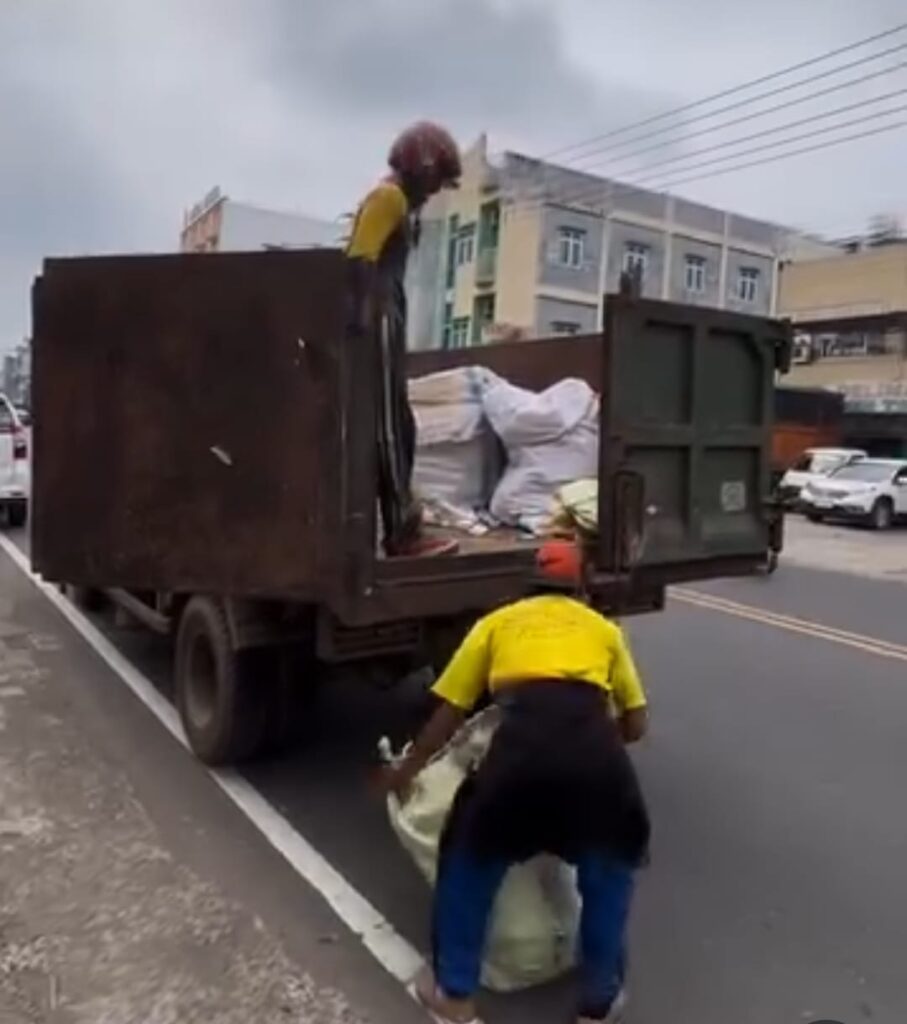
(221, 707)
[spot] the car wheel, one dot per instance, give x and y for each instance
(815, 517)
(882, 515)
(219, 691)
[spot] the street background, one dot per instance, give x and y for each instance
(774, 771)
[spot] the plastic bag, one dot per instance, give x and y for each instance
(551, 440)
(458, 457)
(532, 933)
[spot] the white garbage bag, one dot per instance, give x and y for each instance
(532, 936)
(551, 439)
(458, 457)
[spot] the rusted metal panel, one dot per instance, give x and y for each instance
(189, 433)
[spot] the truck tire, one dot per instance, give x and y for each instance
(882, 515)
(222, 709)
(17, 514)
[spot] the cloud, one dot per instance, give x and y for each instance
(117, 115)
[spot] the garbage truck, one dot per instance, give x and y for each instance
(205, 459)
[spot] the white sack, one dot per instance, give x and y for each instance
(551, 439)
(458, 458)
(532, 934)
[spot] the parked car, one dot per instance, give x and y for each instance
(872, 491)
(814, 464)
(14, 466)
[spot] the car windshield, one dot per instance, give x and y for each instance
(865, 472)
(826, 462)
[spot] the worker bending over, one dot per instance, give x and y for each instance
(556, 779)
(423, 160)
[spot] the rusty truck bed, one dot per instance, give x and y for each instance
(203, 424)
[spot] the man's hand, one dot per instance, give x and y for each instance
(396, 779)
(633, 724)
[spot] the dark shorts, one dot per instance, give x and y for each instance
(556, 779)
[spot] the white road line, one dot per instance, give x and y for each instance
(386, 945)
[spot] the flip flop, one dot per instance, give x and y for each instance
(438, 1018)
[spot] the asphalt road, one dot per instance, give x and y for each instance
(775, 774)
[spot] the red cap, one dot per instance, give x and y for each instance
(560, 562)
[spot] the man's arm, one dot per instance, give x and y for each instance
(442, 725)
(629, 696)
(458, 688)
(381, 213)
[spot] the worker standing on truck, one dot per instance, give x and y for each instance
(423, 159)
(556, 779)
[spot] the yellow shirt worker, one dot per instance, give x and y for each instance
(556, 779)
(423, 160)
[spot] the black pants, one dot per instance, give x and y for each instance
(556, 780)
(396, 428)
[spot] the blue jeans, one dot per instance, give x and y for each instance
(464, 895)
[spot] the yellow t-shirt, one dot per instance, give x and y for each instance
(381, 213)
(546, 637)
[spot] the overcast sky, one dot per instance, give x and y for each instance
(118, 114)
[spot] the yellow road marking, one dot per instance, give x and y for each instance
(858, 641)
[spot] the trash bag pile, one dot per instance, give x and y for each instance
(488, 448)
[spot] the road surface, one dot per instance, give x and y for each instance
(775, 775)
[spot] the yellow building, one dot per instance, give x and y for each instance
(850, 311)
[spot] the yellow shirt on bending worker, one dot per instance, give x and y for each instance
(551, 636)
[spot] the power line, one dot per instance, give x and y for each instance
(784, 156)
(743, 119)
(646, 172)
(539, 195)
(746, 102)
(761, 80)
(608, 191)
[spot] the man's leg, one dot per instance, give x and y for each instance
(464, 895)
(606, 887)
(397, 449)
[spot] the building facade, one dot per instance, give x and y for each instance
(220, 224)
(530, 247)
(850, 314)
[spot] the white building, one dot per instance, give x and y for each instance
(221, 224)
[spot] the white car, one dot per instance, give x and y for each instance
(814, 464)
(872, 491)
(15, 470)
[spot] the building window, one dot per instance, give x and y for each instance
(571, 248)
(465, 246)
(459, 332)
(482, 316)
(565, 327)
(694, 274)
(446, 327)
(489, 225)
(748, 284)
(636, 259)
